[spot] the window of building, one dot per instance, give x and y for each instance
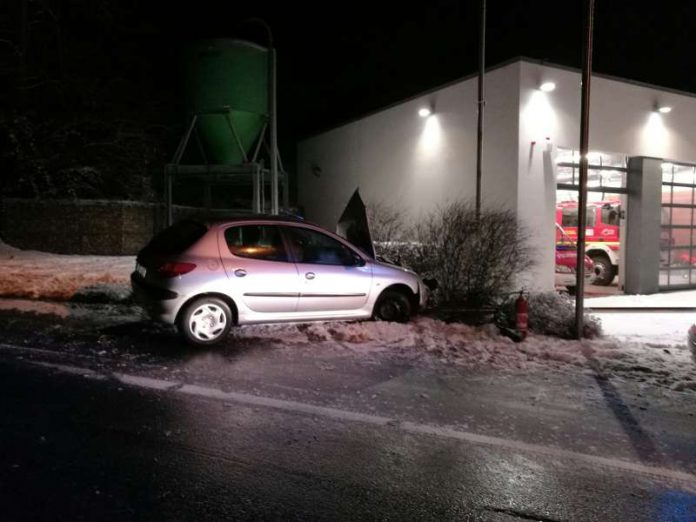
(606, 171)
(678, 231)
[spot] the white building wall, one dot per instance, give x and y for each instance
(622, 120)
(398, 158)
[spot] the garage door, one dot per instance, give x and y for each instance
(678, 234)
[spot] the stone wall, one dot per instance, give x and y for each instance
(96, 227)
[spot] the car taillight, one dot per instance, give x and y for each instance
(175, 269)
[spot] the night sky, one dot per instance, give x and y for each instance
(339, 60)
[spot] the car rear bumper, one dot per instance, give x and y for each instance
(160, 304)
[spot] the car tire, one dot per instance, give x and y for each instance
(604, 270)
(205, 321)
(572, 290)
(392, 306)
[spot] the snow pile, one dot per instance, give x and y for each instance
(652, 349)
(39, 275)
(663, 364)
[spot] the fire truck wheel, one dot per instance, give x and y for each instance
(604, 270)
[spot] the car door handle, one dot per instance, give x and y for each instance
(310, 275)
(240, 272)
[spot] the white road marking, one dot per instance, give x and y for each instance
(145, 382)
(366, 418)
(74, 370)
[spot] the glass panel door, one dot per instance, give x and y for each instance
(678, 231)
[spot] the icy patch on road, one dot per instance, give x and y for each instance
(40, 275)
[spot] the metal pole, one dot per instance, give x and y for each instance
(256, 191)
(481, 103)
(23, 47)
(168, 188)
(274, 131)
(273, 117)
(584, 145)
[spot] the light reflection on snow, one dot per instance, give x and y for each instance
(41, 275)
(39, 307)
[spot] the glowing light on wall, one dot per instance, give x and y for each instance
(547, 86)
(654, 136)
(539, 117)
(664, 109)
(431, 138)
(424, 112)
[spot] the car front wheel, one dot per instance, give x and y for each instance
(205, 321)
(392, 306)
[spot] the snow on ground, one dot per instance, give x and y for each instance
(666, 364)
(40, 275)
(679, 299)
(635, 347)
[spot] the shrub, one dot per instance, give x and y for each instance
(474, 260)
(387, 223)
(551, 313)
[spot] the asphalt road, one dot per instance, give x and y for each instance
(111, 419)
(82, 445)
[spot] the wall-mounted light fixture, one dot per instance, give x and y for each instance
(424, 112)
(664, 109)
(547, 86)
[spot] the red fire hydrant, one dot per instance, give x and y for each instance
(522, 315)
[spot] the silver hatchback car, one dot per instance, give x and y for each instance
(207, 277)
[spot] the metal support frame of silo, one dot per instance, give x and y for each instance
(274, 129)
(252, 168)
(181, 148)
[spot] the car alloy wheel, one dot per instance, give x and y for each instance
(206, 321)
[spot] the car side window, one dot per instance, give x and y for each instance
(309, 246)
(256, 242)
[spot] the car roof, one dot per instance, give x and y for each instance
(217, 220)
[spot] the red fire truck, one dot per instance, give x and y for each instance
(601, 235)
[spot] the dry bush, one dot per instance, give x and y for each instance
(474, 260)
(387, 223)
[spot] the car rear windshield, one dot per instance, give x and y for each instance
(176, 238)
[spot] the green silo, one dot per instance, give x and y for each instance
(228, 78)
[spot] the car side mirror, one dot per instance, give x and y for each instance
(357, 261)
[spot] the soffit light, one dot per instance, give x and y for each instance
(424, 112)
(547, 86)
